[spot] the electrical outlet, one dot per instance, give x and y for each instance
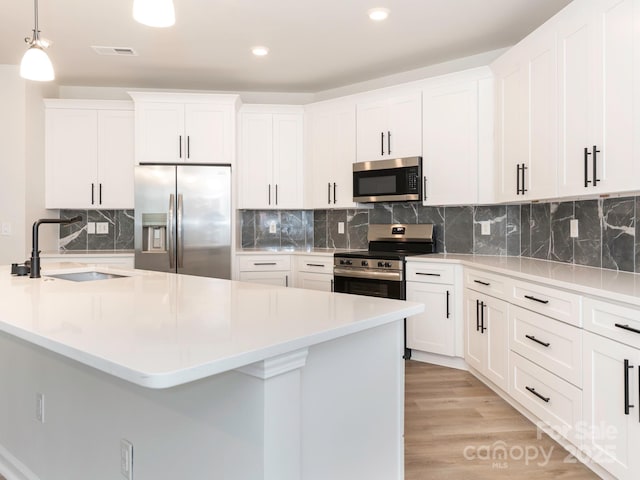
(6, 228)
(91, 228)
(340, 227)
(485, 228)
(126, 459)
(272, 227)
(102, 227)
(40, 407)
(573, 228)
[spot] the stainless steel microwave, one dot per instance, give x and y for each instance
(393, 180)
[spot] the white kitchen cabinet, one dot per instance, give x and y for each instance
(487, 337)
(598, 79)
(266, 269)
(314, 272)
(389, 127)
(433, 330)
(89, 154)
(331, 134)
(612, 405)
(271, 156)
(457, 141)
(185, 128)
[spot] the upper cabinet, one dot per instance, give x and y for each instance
(457, 138)
(271, 156)
(389, 127)
(599, 65)
(331, 146)
(89, 154)
(185, 128)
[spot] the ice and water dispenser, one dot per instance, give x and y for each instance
(154, 232)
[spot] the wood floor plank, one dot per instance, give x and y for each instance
(455, 427)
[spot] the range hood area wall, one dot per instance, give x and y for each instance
(609, 236)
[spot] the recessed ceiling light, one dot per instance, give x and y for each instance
(378, 14)
(260, 51)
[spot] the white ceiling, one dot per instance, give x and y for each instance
(315, 45)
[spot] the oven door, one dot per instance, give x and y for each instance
(384, 285)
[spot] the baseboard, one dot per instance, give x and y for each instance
(442, 360)
(13, 469)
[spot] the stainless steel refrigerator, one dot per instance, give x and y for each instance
(183, 219)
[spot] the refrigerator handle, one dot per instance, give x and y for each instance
(180, 232)
(172, 233)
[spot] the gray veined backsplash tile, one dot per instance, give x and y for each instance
(618, 233)
(637, 245)
(434, 215)
(125, 223)
(540, 226)
(496, 242)
(102, 241)
(74, 236)
(335, 239)
(587, 248)
(513, 232)
(320, 228)
(458, 229)
(292, 229)
(307, 219)
(525, 230)
(381, 213)
(405, 212)
(357, 228)
(561, 246)
(264, 220)
(248, 231)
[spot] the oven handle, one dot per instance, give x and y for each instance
(372, 274)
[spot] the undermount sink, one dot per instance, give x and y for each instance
(86, 276)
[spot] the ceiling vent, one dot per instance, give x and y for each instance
(123, 51)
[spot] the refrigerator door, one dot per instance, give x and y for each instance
(203, 220)
(155, 218)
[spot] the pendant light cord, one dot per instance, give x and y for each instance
(35, 32)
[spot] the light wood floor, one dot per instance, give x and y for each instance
(449, 412)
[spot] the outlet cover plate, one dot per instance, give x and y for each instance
(102, 227)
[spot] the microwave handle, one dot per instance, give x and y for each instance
(424, 188)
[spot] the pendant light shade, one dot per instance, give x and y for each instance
(35, 63)
(154, 13)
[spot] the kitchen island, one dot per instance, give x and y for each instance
(206, 378)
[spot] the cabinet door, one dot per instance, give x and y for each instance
(372, 131)
(404, 135)
(612, 435)
(256, 161)
(433, 330)
(160, 132)
(344, 154)
(287, 160)
(315, 281)
(71, 158)
(115, 159)
(208, 134)
(268, 278)
(475, 344)
(496, 324)
(450, 144)
(321, 152)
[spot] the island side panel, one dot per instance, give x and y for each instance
(353, 407)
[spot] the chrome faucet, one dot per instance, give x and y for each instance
(35, 253)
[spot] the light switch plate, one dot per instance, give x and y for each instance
(573, 227)
(6, 228)
(102, 227)
(91, 228)
(272, 227)
(485, 228)
(340, 227)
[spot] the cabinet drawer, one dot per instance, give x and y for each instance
(430, 273)
(554, 303)
(259, 263)
(488, 283)
(314, 264)
(553, 345)
(555, 402)
(614, 321)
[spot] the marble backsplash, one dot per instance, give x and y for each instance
(607, 229)
(74, 237)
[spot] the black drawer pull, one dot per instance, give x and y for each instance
(486, 284)
(315, 265)
(627, 327)
(627, 406)
(257, 264)
(533, 390)
(530, 297)
(534, 339)
(428, 274)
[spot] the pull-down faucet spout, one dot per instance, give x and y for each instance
(35, 252)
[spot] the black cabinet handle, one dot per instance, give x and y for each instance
(257, 264)
(93, 187)
(381, 143)
(627, 327)
(533, 390)
(534, 339)
(627, 367)
(477, 315)
(531, 297)
(332, 285)
(315, 265)
(389, 143)
(180, 145)
(428, 274)
(524, 168)
(334, 193)
(586, 167)
(188, 146)
(269, 194)
(329, 193)
(448, 312)
(100, 193)
(595, 165)
(276, 194)
(518, 179)
(286, 280)
(486, 284)
(424, 188)
(482, 327)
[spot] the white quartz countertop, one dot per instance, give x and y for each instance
(610, 284)
(160, 330)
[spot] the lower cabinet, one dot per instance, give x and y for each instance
(267, 269)
(314, 281)
(612, 405)
(487, 337)
(433, 330)
(314, 272)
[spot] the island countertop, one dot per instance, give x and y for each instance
(160, 330)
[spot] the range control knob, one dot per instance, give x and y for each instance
(364, 263)
(387, 264)
(381, 264)
(349, 262)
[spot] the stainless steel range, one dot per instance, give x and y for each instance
(380, 270)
